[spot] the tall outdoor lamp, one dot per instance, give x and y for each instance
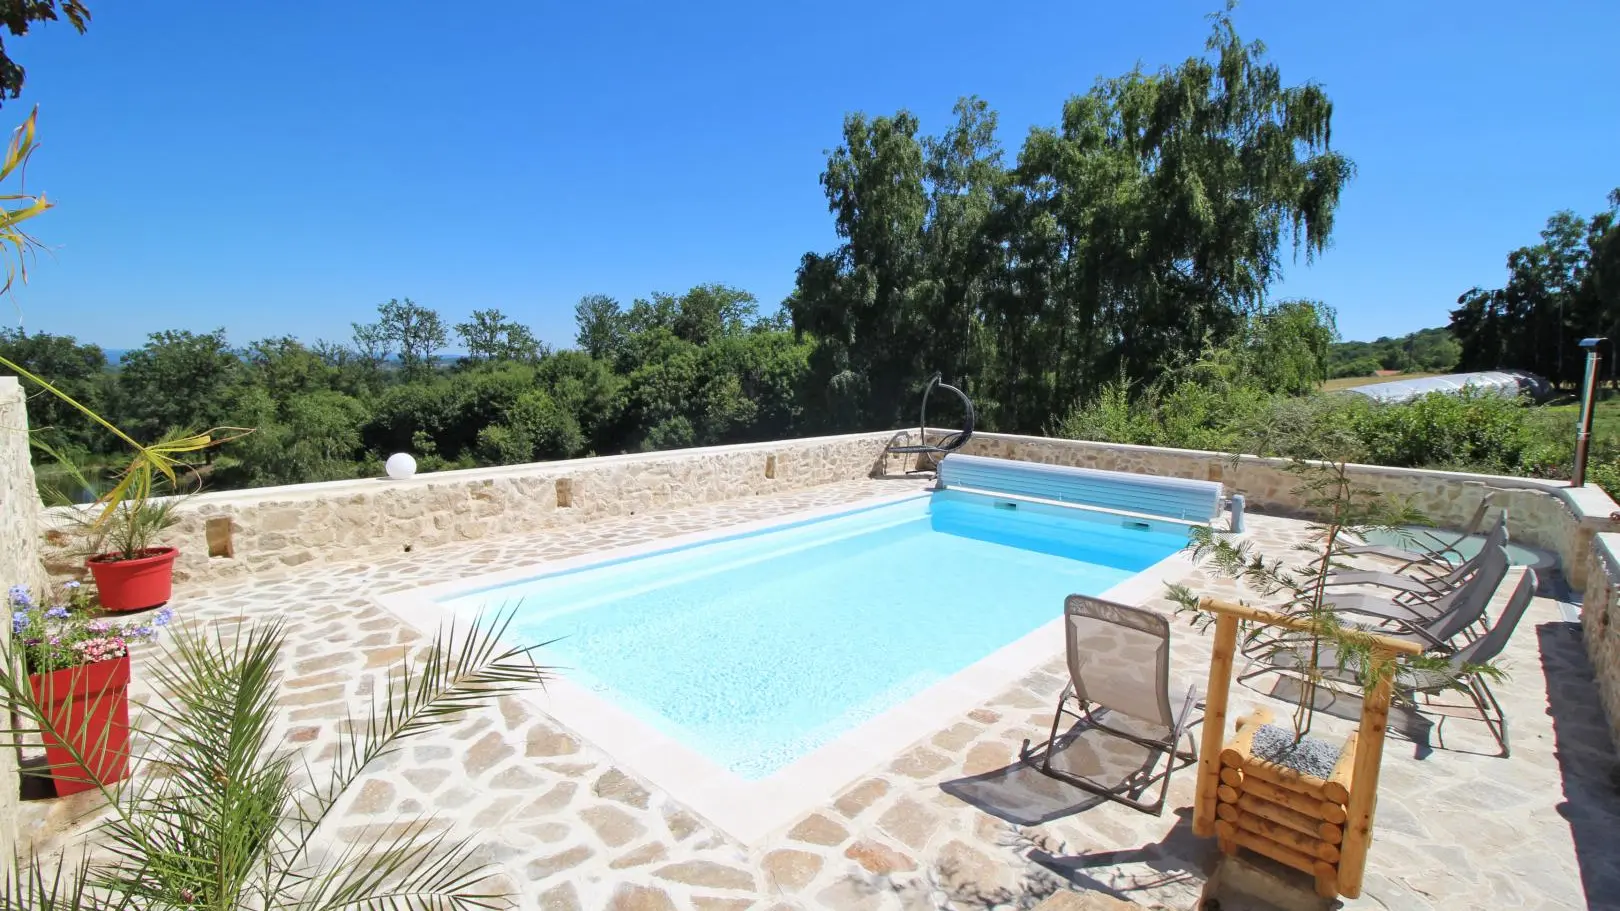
(1583, 434)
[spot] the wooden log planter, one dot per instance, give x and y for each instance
(1290, 816)
(1320, 826)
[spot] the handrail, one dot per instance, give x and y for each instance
(1271, 618)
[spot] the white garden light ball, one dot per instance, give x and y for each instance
(400, 466)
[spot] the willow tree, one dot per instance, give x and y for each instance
(1153, 219)
(860, 301)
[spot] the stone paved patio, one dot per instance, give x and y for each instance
(1457, 827)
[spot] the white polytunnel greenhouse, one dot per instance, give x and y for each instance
(1503, 382)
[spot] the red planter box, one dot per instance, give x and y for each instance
(90, 705)
(124, 585)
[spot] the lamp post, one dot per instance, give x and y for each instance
(1583, 433)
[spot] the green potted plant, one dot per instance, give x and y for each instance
(119, 532)
(77, 666)
(119, 538)
(134, 572)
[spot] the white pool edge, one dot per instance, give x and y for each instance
(749, 810)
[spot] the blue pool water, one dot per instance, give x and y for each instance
(756, 649)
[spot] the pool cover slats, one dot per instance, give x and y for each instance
(1178, 498)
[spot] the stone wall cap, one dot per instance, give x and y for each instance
(1589, 502)
(1468, 478)
(1608, 545)
(295, 494)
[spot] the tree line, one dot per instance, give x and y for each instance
(669, 371)
(1559, 291)
(1423, 351)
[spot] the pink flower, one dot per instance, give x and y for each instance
(103, 649)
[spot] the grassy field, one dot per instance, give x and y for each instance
(1560, 420)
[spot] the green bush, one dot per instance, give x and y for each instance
(1607, 476)
(1468, 431)
(499, 444)
(1361, 366)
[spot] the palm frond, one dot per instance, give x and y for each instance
(54, 883)
(410, 869)
(22, 244)
(456, 674)
(203, 827)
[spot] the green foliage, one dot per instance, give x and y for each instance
(1148, 224)
(1235, 397)
(233, 821)
(1424, 351)
(79, 370)
(499, 444)
(18, 16)
(490, 335)
(285, 368)
(1288, 346)
(1467, 430)
(1202, 407)
(1558, 291)
(313, 436)
(602, 327)
(551, 432)
(587, 388)
(697, 368)
(1343, 513)
(1605, 474)
(177, 380)
(415, 332)
(1364, 365)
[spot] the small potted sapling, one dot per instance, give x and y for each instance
(119, 536)
(132, 570)
(119, 533)
(1277, 790)
(1345, 514)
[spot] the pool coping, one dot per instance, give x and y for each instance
(748, 810)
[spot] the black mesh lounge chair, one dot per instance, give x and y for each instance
(1119, 684)
(1422, 579)
(1412, 682)
(1434, 548)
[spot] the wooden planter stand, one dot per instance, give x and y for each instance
(1290, 816)
(1322, 826)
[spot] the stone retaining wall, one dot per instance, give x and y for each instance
(228, 534)
(233, 533)
(1545, 514)
(19, 559)
(1600, 625)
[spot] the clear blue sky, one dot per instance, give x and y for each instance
(248, 165)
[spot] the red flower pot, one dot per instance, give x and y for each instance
(89, 705)
(124, 585)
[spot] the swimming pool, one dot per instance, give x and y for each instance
(749, 670)
(756, 649)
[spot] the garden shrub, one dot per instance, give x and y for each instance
(1468, 431)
